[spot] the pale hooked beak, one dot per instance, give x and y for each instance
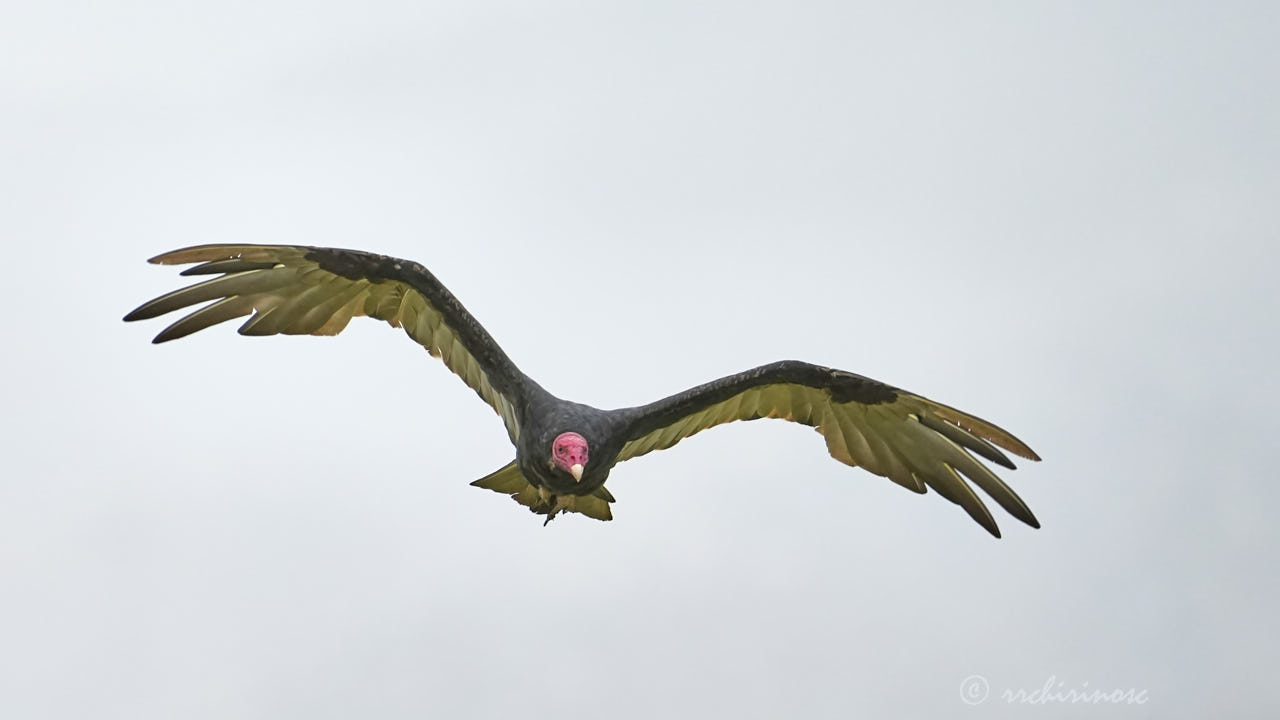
(576, 472)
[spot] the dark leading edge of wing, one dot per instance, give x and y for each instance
(300, 290)
(907, 438)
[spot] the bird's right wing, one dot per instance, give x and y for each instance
(907, 438)
(300, 290)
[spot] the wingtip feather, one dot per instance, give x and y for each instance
(983, 429)
(214, 251)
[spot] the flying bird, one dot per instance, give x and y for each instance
(565, 450)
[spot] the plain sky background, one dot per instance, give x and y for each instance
(1062, 217)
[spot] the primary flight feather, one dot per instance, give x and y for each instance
(565, 450)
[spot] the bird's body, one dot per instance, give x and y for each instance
(566, 450)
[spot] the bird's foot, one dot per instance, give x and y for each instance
(557, 504)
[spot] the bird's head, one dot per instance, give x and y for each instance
(569, 453)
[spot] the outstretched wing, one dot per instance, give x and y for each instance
(299, 290)
(907, 438)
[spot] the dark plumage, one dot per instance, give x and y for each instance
(565, 450)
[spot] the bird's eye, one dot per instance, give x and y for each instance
(560, 449)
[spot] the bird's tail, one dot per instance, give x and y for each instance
(510, 481)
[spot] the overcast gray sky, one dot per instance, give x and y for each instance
(1058, 216)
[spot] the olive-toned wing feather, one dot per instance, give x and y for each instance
(298, 290)
(907, 438)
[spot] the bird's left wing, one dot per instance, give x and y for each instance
(907, 438)
(300, 290)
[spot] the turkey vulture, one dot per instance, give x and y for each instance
(565, 450)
